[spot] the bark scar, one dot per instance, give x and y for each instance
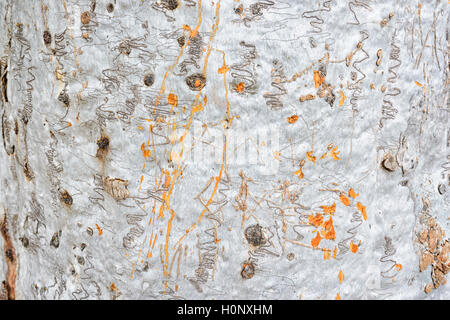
(11, 260)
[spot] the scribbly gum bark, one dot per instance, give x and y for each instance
(199, 149)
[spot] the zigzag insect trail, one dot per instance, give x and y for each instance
(262, 251)
(161, 8)
(357, 3)
(103, 115)
(130, 106)
(209, 248)
(356, 89)
(317, 21)
(389, 251)
(388, 111)
(254, 11)
(110, 81)
(28, 105)
(246, 76)
(394, 55)
(365, 36)
(278, 78)
(195, 51)
(135, 232)
(446, 167)
(342, 245)
(98, 182)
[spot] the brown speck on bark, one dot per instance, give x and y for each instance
(170, 4)
(149, 79)
(25, 241)
(103, 147)
(248, 270)
(110, 7)
(54, 242)
(389, 163)
(181, 41)
(28, 171)
(255, 236)
(66, 198)
(85, 17)
(47, 37)
(64, 98)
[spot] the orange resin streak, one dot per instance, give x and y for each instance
(195, 109)
(161, 92)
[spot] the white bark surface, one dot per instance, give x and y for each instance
(122, 177)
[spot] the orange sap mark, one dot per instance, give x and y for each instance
(330, 235)
(100, 231)
(146, 153)
(334, 252)
(362, 208)
(300, 174)
(323, 156)
(318, 79)
(342, 99)
(172, 99)
(353, 247)
(210, 200)
(166, 246)
(316, 220)
(143, 146)
(329, 227)
(316, 240)
(69, 124)
(277, 155)
(335, 153)
(140, 128)
(338, 297)
(140, 184)
(326, 254)
(240, 87)
(113, 287)
(166, 179)
(398, 266)
(222, 70)
(329, 209)
(341, 276)
(344, 199)
(352, 193)
(292, 119)
(418, 83)
(311, 157)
